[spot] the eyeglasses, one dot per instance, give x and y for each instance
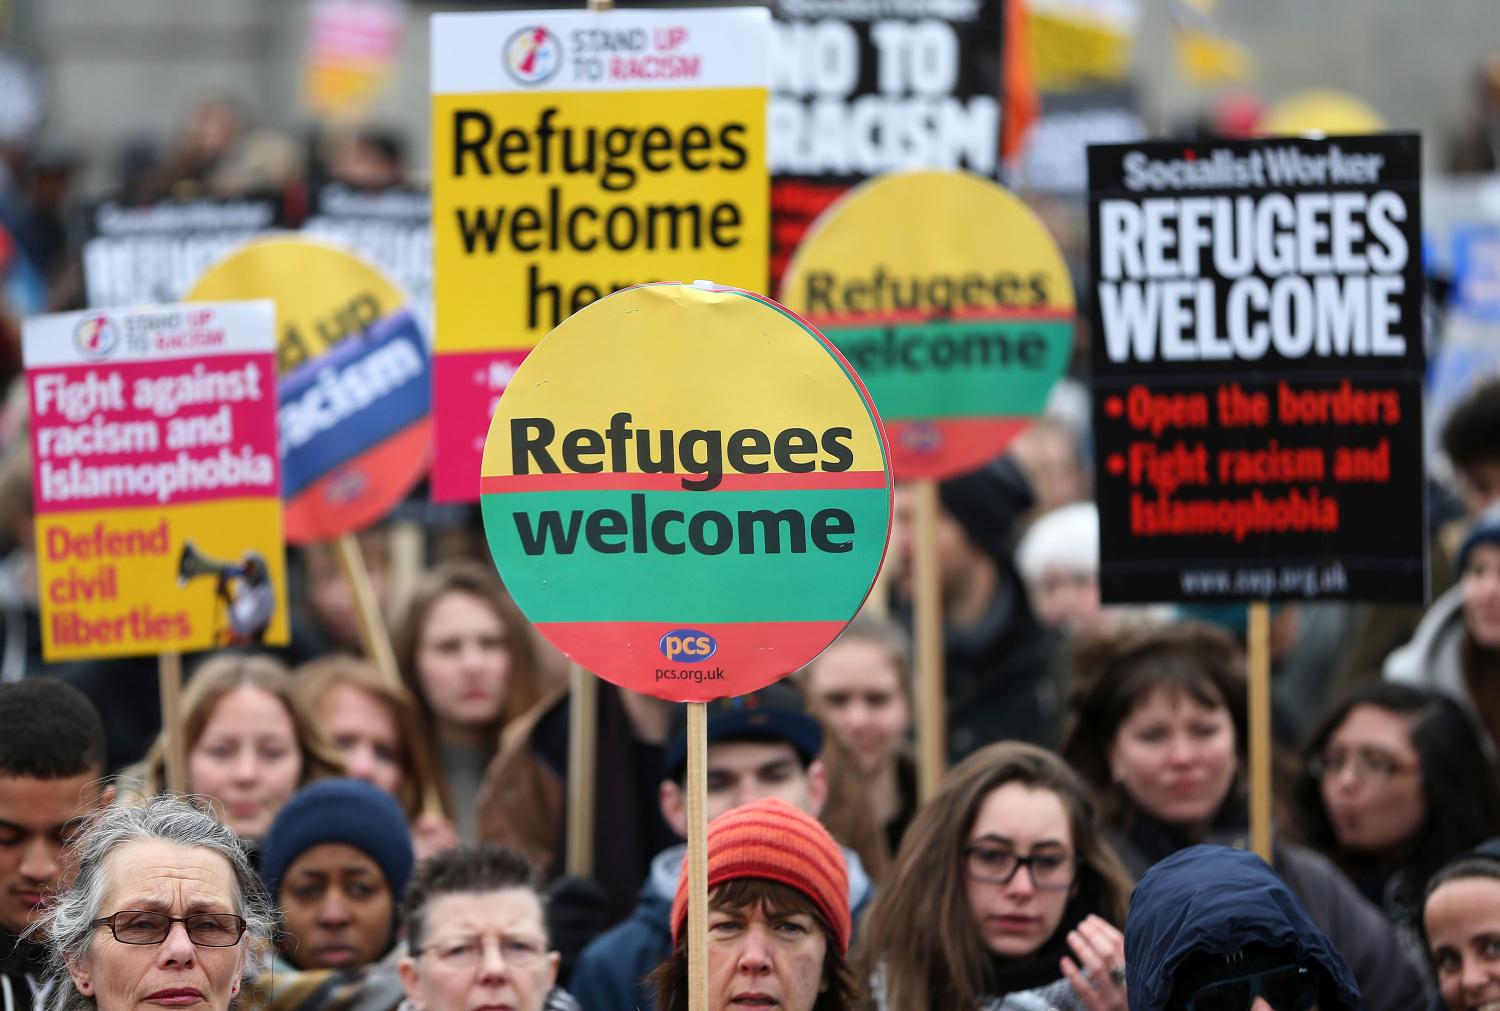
(996, 866)
(1368, 764)
(1286, 988)
(517, 952)
(208, 930)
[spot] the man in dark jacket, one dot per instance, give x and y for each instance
(996, 657)
(51, 764)
(1218, 927)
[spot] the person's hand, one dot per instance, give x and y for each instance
(432, 834)
(1100, 948)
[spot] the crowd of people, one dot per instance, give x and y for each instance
(348, 843)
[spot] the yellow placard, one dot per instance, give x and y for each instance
(130, 581)
(515, 255)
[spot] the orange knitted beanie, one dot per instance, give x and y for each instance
(772, 840)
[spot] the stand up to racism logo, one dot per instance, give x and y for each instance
(686, 489)
(533, 54)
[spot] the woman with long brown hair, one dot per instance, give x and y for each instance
(250, 744)
(1004, 896)
(467, 654)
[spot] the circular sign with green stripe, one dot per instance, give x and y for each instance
(687, 490)
(952, 302)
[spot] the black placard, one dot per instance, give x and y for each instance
(1258, 363)
(134, 255)
(862, 87)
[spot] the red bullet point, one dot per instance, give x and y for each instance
(1116, 464)
(1114, 407)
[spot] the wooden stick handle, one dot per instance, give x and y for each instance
(372, 628)
(583, 731)
(169, 685)
(1259, 634)
(697, 856)
(932, 718)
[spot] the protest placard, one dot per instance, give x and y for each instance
(355, 380)
(959, 337)
(1258, 366)
(862, 89)
(686, 490)
(157, 480)
(575, 154)
(139, 255)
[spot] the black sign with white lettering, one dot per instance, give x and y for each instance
(862, 87)
(1258, 365)
(139, 255)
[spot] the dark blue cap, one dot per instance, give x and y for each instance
(775, 713)
(348, 811)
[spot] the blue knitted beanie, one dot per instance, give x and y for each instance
(348, 811)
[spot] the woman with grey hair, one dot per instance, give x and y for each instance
(164, 913)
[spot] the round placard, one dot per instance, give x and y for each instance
(952, 302)
(686, 489)
(356, 385)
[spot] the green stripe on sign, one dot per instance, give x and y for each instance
(676, 555)
(957, 368)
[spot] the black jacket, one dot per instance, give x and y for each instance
(23, 973)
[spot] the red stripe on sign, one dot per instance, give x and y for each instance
(611, 481)
(746, 656)
(941, 448)
(361, 491)
(841, 319)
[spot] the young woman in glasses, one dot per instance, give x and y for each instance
(1003, 897)
(1395, 783)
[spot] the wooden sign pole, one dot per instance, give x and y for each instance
(583, 730)
(697, 857)
(932, 745)
(1259, 634)
(372, 628)
(169, 686)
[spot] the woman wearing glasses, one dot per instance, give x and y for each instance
(1396, 782)
(164, 913)
(476, 935)
(1159, 733)
(1004, 897)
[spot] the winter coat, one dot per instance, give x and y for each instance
(1216, 900)
(1357, 929)
(611, 973)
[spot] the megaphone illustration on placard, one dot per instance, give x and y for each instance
(244, 587)
(194, 563)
